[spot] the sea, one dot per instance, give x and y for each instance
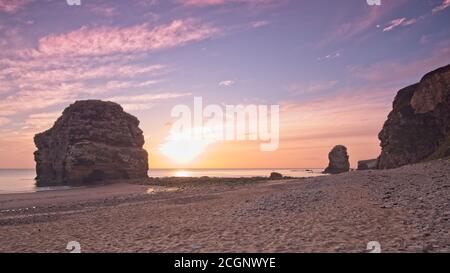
(23, 180)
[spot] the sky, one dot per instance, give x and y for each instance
(333, 67)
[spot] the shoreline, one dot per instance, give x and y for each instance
(22, 181)
(405, 209)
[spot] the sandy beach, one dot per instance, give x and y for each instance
(405, 210)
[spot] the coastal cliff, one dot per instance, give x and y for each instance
(418, 128)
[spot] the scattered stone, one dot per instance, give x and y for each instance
(276, 175)
(196, 246)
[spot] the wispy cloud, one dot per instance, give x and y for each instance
(89, 62)
(203, 3)
(399, 22)
(149, 97)
(145, 101)
(37, 83)
(357, 26)
(331, 56)
(11, 6)
(79, 70)
(112, 40)
(407, 22)
(103, 10)
(258, 24)
(40, 121)
(227, 83)
(445, 4)
(352, 28)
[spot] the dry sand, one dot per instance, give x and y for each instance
(405, 210)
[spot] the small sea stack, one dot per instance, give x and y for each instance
(338, 160)
(92, 141)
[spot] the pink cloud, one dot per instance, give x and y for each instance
(331, 56)
(227, 83)
(52, 87)
(28, 100)
(445, 4)
(40, 121)
(405, 22)
(89, 62)
(358, 26)
(80, 72)
(394, 23)
(258, 24)
(148, 3)
(103, 10)
(111, 40)
(350, 29)
(202, 3)
(11, 6)
(145, 101)
(41, 82)
(401, 22)
(149, 97)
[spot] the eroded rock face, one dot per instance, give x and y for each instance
(338, 160)
(418, 128)
(92, 141)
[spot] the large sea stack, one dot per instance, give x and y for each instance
(338, 160)
(92, 141)
(418, 128)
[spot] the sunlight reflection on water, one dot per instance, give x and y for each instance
(22, 180)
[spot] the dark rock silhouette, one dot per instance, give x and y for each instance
(338, 160)
(418, 128)
(92, 141)
(275, 175)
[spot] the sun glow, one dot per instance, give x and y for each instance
(182, 174)
(184, 147)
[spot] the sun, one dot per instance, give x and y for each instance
(184, 147)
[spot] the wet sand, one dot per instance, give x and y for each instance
(405, 210)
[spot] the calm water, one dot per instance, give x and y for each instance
(19, 181)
